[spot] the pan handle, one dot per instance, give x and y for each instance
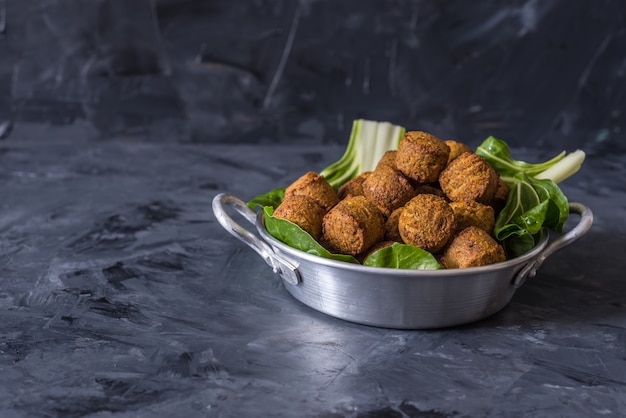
(279, 265)
(583, 226)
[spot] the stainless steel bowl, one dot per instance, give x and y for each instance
(395, 298)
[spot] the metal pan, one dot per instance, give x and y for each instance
(395, 298)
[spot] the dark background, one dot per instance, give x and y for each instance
(548, 73)
(120, 120)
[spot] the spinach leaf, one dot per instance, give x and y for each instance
(272, 198)
(403, 256)
(294, 236)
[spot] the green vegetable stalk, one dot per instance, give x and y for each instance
(369, 140)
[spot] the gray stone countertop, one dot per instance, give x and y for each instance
(121, 295)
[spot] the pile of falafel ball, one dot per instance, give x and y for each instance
(433, 194)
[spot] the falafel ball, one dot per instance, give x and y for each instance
(378, 246)
(502, 194)
(389, 159)
(427, 222)
(421, 156)
(472, 247)
(456, 148)
(316, 187)
(469, 177)
(352, 226)
(429, 189)
(353, 187)
(388, 189)
(391, 226)
(473, 214)
(304, 212)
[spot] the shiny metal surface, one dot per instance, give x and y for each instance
(279, 265)
(395, 298)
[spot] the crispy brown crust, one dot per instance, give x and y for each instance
(456, 148)
(421, 156)
(473, 214)
(352, 226)
(353, 187)
(428, 189)
(469, 177)
(316, 187)
(391, 226)
(429, 193)
(388, 159)
(502, 193)
(388, 189)
(427, 222)
(472, 247)
(304, 212)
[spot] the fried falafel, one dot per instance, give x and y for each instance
(389, 159)
(316, 187)
(353, 187)
(429, 189)
(469, 177)
(391, 226)
(421, 156)
(456, 148)
(304, 212)
(388, 189)
(472, 247)
(473, 214)
(501, 196)
(427, 221)
(352, 226)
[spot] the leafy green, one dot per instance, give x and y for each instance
(535, 200)
(557, 169)
(294, 236)
(532, 205)
(498, 154)
(273, 198)
(403, 256)
(369, 140)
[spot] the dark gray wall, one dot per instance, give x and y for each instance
(547, 72)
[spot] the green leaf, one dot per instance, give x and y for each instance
(532, 205)
(518, 245)
(272, 198)
(403, 256)
(535, 200)
(294, 236)
(498, 154)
